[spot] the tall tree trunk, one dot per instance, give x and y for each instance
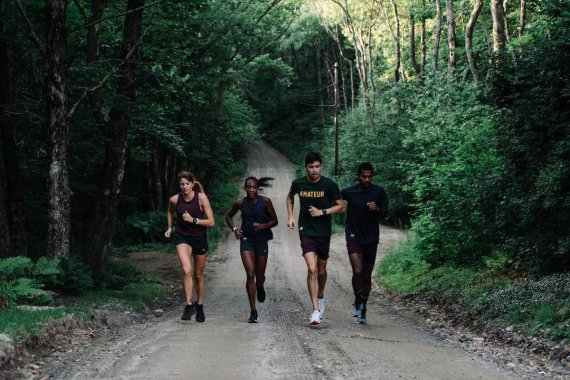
(505, 19)
(102, 226)
(522, 17)
(451, 40)
(412, 27)
(12, 223)
(423, 47)
(469, 39)
(437, 39)
(397, 40)
(499, 40)
(158, 189)
(59, 193)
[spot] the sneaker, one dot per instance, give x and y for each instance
(260, 293)
(315, 318)
(321, 304)
(253, 317)
(200, 317)
(357, 309)
(362, 318)
(189, 311)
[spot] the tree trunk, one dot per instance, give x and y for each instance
(522, 17)
(469, 39)
(423, 47)
(12, 219)
(451, 40)
(412, 26)
(102, 226)
(397, 40)
(505, 19)
(499, 44)
(59, 193)
(158, 189)
(437, 39)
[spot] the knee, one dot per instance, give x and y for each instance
(312, 271)
(250, 275)
(187, 270)
(357, 271)
(322, 271)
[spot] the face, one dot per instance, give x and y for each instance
(251, 188)
(185, 185)
(314, 170)
(365, 178)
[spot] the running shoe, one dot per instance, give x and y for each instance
(315, 318)
(253, 317)
(321, 304)
(200, 317)
(357, 309)
(189, 311)
(260, 293)
(362, 318)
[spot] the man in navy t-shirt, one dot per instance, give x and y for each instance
(366, 205)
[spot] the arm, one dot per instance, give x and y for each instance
(336, 208)
(271, 211)
(170, 215)
(205, 204)
(290, 216)
(230, 218)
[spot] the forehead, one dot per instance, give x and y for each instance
(314, 163)
(251, 182)
(365, 173)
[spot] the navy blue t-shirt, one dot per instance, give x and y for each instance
(251, 213)
(361, 223)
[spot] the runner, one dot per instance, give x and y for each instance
(319, 198)
(193, 215)
(257, 218)
(366, 204)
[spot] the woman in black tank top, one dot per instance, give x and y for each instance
(193, 216)
(258, 217)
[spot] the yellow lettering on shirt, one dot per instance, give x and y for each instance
(311, 194)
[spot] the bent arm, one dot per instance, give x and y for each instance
(272, 214)
(205, 204)
(290, 216)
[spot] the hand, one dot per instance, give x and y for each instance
(372, 206)
(187, 217)
(291, 223)
(315, 212)
(237, 233)
(168, 233)
(256, 226)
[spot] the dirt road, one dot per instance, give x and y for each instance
(281, 345)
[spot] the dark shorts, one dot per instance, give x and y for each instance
(260, 249)
(354, 246)
(199, 244)
(320, 245)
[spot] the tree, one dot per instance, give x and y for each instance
(437, 37)
(59, 192)
(451, 40)
(478, 5)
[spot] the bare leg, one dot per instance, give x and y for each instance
(356, 262)
(321, 276)
(368, 268)
(248, 260)
(184, 252)
(199, 264)
(260, 265)
(312, 283)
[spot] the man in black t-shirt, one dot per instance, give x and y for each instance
(366, 204)
(319, 197)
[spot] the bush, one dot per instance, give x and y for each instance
(121, 273)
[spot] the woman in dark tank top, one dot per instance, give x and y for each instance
(258, 217)
(193, 216)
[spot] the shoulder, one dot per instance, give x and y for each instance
(266, 201)
(202, 197)
(174, 198)
(349, 189)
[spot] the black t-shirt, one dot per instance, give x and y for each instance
(361, 223)
(322, 194)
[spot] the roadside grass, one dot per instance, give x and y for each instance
(537, 307)
(20, 323)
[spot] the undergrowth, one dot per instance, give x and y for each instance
(536, 306)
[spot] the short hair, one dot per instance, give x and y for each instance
(365, 166)
(312, 157)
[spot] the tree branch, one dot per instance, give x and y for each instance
(34, 36)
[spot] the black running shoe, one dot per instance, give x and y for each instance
(260, 293)
(200, 317)
(189, 311)
(253, 317)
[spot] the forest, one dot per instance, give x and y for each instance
(462, 106)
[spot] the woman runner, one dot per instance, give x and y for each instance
(258, 217)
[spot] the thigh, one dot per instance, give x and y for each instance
(248, 260)
(199, 263)
(369, 256)
(184, 252)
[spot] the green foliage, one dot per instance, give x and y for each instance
(23, 279)
(121, 273)
(20, 323)
(75, 277)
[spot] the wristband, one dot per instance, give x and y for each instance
(324, 211)
(195, 221)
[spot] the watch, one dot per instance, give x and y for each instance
(195, 221)
(234, 229)
(324, 211)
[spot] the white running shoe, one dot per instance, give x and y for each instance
(315, 318)
(357, 309)
(321, 304)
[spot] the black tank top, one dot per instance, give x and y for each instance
(193, 207)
